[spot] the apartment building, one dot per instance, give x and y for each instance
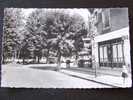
(111, 45)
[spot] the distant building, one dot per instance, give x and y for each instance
(85, 54)
(111, 45)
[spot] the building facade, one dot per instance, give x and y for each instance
(111, 45)
(85, 54)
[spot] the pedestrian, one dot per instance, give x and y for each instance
(124, 73)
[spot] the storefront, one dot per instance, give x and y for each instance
(112, 49)
(111, 53)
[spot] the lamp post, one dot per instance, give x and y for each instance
(93, 32)
(93, 59)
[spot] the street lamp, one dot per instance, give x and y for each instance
(93, 56)
(93, 33)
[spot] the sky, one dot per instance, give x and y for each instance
(81, 11)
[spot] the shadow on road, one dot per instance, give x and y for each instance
(45, 68)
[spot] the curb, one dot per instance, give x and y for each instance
(93, 72)
(114, 86)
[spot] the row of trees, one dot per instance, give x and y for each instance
(11, 33)
(46, 32)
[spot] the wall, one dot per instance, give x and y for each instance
(118, 18)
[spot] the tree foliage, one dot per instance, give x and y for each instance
(11, 32)
(47, 32)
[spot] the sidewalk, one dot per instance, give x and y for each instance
(99, 71)
(103, 78)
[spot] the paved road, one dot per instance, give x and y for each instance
(22, 76)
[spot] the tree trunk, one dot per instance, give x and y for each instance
(38, 59)
(47, 60)
(34, 57)
(76, 59)
(3, 59)
(58, 61)
(23, 60)
(18, 55)
(15, 56)
(47, 57)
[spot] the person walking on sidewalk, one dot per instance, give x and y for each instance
(124, 73)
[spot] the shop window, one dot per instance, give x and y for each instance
(117, 53)
(111, 53)
(105, 54)
(101, 54)
(120, 55)
(114, 53)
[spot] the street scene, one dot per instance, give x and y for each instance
(66, 48)
(28, 77)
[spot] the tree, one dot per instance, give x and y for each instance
(78, 38)
(34, 39)
(55, 31)
(78, 30)
(11, 37)
(39, 26)
(67, 30)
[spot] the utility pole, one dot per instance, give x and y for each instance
(93, 32)
(93, 58)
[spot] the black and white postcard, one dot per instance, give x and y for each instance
(66, 48)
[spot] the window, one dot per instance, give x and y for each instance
(111, 53)
(114, 53)
(105, 53)
(119, 50)
(101, 54)
(98, 17)
(120, 55)
(106, 19)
